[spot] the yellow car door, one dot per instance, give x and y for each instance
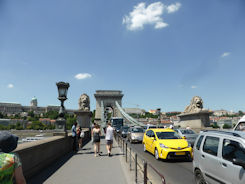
(146, 139)
(151, 142)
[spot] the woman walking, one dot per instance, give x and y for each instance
(96, 138)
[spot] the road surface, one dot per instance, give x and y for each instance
(175, 171)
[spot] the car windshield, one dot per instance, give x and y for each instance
(137, 130)
(187, 131)
(167, 135)
(125, 128)
(241, 126)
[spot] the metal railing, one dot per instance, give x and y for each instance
(137, 163)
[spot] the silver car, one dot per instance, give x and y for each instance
(189, 134)
(219, 157)
(135, 134)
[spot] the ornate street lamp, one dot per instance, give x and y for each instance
(61, 122)
(62, 89)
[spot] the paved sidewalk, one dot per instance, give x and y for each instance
(84, 167)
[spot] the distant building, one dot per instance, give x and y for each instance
(10, 108)
(222, 113)
(16, 108)
(152, 112)
(34, 102)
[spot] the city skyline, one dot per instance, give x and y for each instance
(158, 53)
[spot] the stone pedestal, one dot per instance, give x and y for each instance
(83, 118)
(196, 121)
(60, 127)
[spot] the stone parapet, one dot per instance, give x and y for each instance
(38, 155)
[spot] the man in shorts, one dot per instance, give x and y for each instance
(109, 138)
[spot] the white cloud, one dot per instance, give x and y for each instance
(10, 86)
(173, 7)
(81, 76)
(225, 54)
(151, 14)
(193, 87)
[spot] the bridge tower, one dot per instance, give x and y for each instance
(107, 99)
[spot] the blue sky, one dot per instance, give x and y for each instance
(159, 53)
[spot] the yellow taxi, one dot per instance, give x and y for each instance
(165, 143)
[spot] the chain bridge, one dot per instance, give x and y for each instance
(112, 100)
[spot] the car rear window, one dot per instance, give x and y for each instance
(168, 135)
(211, 145)
(138, 130)
(187, 131)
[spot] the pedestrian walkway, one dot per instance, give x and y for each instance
(84, 167)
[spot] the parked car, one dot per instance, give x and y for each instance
(189, 134)
(135, 134)
(219, 157)
(165, 143)
(240, 126)
(124, 131)
(150, 126)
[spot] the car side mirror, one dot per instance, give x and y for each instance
(239, 162)
(152, 138)
(184, 137)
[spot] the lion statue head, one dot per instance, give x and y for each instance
(195, 106)
(84, 102)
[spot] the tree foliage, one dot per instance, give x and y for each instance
(226, 126)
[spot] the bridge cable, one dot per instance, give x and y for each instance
(128, 117)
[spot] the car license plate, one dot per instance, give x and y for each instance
(180, 153)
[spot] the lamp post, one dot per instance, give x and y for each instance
(61, 122)
(159, 116)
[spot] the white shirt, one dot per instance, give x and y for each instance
(109, 133)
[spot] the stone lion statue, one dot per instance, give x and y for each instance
(84, 102)
(195, 106)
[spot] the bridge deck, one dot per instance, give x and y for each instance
(84, 167)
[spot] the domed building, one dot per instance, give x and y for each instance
(34, 102)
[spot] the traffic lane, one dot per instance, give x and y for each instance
(174, 171)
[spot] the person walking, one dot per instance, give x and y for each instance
(79, 139)
(10, 164)
(74, 137)
(96, 139)
(109, 138)
(93, 125)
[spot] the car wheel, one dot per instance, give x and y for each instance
(144, 148)
(156, 154)
(199, 179)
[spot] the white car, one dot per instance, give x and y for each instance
(219, 157)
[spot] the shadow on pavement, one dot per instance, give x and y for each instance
(44, 175)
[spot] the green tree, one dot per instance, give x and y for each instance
(31, 114)
(19, 126)
(215, 126)
(226, 126)
(1, 115)
(2, 127)
(93, 115)
(37, 125)
(17, 116)
(240, 113)
(51, 114)
(70, 121)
